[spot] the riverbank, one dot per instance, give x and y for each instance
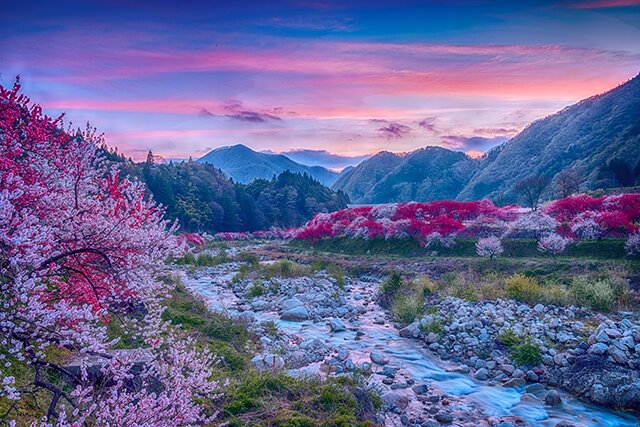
(320, 320)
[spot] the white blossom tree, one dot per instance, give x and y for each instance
(632, 245)
(489, 247)
(553, 244)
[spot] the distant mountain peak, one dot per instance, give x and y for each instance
(243, 164)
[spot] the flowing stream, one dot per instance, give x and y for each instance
(411, 356)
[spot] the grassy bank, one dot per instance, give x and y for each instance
(464, 247)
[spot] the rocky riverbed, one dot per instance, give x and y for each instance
(455, 374)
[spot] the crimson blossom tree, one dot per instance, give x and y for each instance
(80, 247)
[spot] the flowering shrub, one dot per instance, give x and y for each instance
(80, 246)
(192, 239)
(553, 243)
(489, 247)
(580, 216)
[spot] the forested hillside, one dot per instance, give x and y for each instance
(594, 144)
(203, 199)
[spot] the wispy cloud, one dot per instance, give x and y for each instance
(391, 130)
(604, 4)
(428, 123)
(237, 111)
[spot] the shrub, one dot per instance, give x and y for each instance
(284, 268)
(256, 289)
(526, 353)
(522, 288)
(248, 258)
(555, 293)
(429, 286)
(509, 338)
(392, 284)
(337, 273)
(597, 294)
(406, 308)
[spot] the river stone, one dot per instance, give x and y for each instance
(553, 398)
(598, 348)
(410, 331)
(336, 325)
(619, 356)
(290, 303)
(296, 314)
(482, 374)
(378, 358)
(420, 389)
(269, 361)
(514, 382)
(444, 417)
(395, 400)
(246, 317)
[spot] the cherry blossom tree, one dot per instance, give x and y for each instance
(586, 227)
(632, 245)
(533, 224)
(489, 247)
(81, 247)
(553, 244)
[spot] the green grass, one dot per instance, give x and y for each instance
(267, 399)
(464, 247)
(225, 337)
(203, 259)
(524, 351)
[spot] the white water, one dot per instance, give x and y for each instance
(421, 365)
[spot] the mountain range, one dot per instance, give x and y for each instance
(586, 137)
(598, 139)
(243, 165)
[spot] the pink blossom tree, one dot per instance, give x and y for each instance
(80, 247)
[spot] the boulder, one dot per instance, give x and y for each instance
(336, 325)
(595, 378)
(378, 358)
(395, 400)
(296, 314)
(553, 398)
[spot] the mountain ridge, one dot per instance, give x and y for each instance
(244, 165)
(584, 136)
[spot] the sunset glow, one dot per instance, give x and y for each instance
(352, 80)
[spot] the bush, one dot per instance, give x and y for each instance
(522, 288)
(509, 338)
(406, 308)
(392, 284)
(256, 289)
(555, 293)
(526, 353)
(429, 286)
(268, 399)
(284, 268)
(597, 294)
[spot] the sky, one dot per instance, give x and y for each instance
(328, 81)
